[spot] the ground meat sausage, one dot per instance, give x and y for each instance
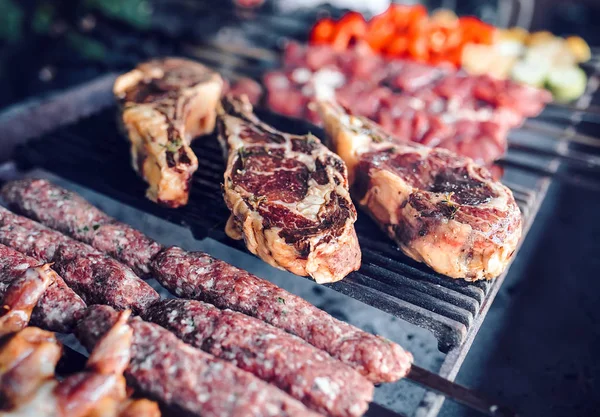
(96, 277)
(58, 309)
(199, 276)
(188, 379)
(70, 214)
(202, 277)
(305, 372)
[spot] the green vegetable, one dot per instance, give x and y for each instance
(566, 83)
(530, 72)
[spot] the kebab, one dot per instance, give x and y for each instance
(59, 307)
(174, 364)
(322, 377)
(96, 277)
(28, 357)
(199, 276)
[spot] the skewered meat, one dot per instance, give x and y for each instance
(202, 277)
(441, 209)
(28, 358)
(70, 214)
(187, 379)
(58, 308)
(94, 276)
(199, 276)
(22, 296)
(288, 195)
(165, 104)
(306, 373)
(28, 362)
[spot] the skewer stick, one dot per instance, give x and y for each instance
(561, 134)
(556, 112)
(458, 393)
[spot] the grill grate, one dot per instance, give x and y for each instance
(93, 153)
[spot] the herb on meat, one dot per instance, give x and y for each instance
(243, 155)
(173, 146)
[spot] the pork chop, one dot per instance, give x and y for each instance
(165, 103)
(441, 208)
(288, 195)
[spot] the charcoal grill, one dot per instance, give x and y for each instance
(92, 153)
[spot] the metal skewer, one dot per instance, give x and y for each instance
(561, 133)
(458, 393)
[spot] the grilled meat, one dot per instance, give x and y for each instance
(308, 374)
(58, 308)
(288, 195)
(22, 296)
(189, 380)
(442, 209)
(94, 276)
(70, 214)
(165, 103)
(197, 275)
(28, 360)
(433, 105)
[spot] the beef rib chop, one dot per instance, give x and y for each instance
(441, 208)
(165, 103)
(288, 195)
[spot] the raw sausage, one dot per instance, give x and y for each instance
(188, 379)
(96, 277)
(303, 371)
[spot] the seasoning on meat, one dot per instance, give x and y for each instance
(441, 208)
(312, 376)
(58, 308)
(70, 214)
(165, 103)
(96, 277)
(188, 379)
(199, 276)
(288, 196)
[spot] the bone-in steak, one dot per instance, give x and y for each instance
(288, 195)
(441, 208)
(165, 103)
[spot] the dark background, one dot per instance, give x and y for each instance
(536, 350)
